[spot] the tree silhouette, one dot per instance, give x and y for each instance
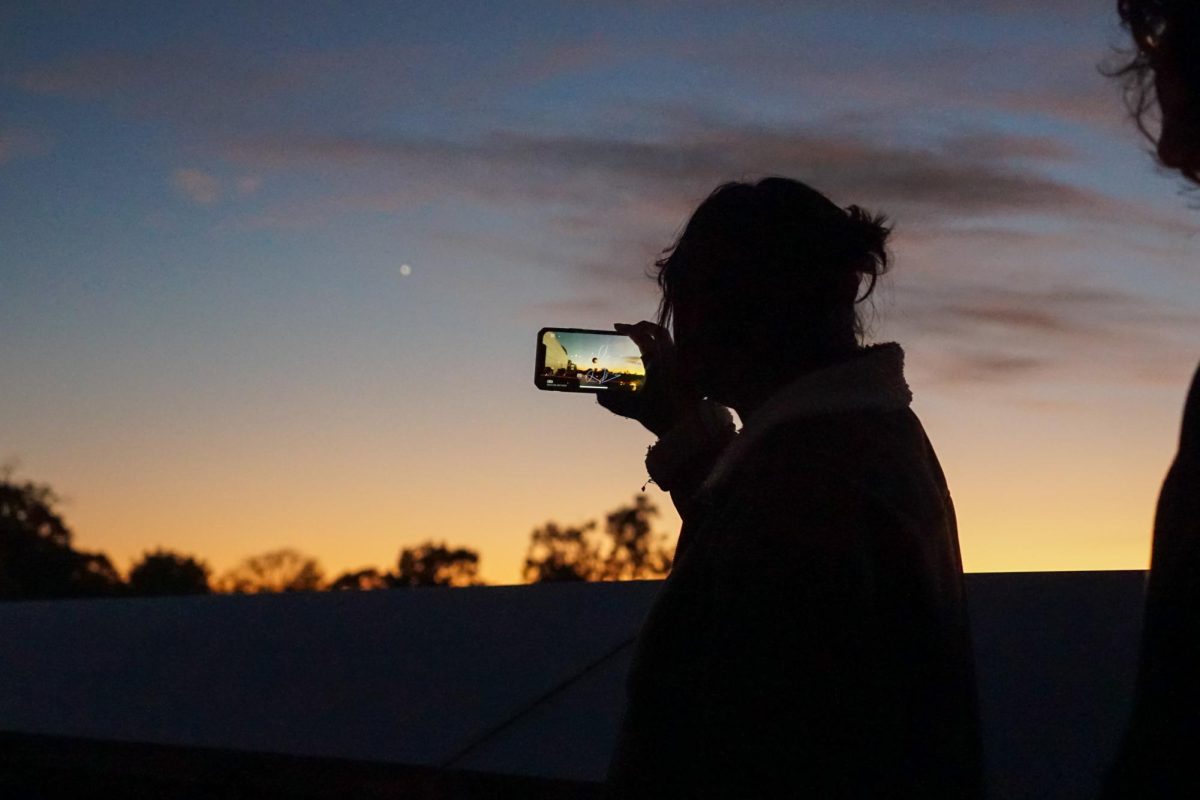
(359, 580)
(431, 564)
(561, 554)
(626, 549)
(283, 570)
(162, 572)
(37, 559)
(36, 556)
(634, 550)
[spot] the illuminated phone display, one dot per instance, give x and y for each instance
(578, 360)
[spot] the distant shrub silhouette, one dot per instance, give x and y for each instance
(359, 580)
(626, 549)
(36, 556)
(283, 570)
(427, 564)
(431, 564)
(163, 572)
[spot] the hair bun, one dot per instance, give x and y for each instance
(866, 244)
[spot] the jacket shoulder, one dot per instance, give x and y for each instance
(844, 462)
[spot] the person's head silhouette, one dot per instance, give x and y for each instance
(1166, 69)
(763, 284)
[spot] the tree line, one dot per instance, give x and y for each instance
(38, 558)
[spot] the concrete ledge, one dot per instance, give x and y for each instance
(39, 767)
(522, 681)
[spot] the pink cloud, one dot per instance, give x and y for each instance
(196, 185)
(248, 184)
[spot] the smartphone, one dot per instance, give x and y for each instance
(580, 360)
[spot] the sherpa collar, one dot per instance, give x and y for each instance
(872, 380)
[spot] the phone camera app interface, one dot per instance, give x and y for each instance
(591, 362)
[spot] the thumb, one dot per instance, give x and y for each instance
(608, 400)
(616, 403)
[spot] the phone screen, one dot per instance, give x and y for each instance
(578, 360)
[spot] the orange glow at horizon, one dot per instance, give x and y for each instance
(1034, 489)
(258, 294)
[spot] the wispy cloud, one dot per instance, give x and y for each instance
(197, 186)
(944, 179)
(205, 189)
(209, 90)
(248, 184)
(958, 365)
(986, 331)
(618, 201)
(21, 144)
(952, 307)
(186, 73)
(978, 152)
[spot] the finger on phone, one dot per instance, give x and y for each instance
(652, 328)
(631, 331)
(614, 403)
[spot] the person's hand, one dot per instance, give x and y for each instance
(663, 400)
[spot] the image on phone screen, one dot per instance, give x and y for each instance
(579, 360)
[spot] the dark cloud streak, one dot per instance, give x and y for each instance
(990, 332)
(620, 200)
(955, 176)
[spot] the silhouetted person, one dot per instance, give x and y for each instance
(1164, 732)
(811, 640)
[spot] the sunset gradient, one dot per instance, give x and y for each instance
(271, 277)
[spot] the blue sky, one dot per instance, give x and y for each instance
(204, 210)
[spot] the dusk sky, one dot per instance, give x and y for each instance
(588, 350)
(271, 273)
